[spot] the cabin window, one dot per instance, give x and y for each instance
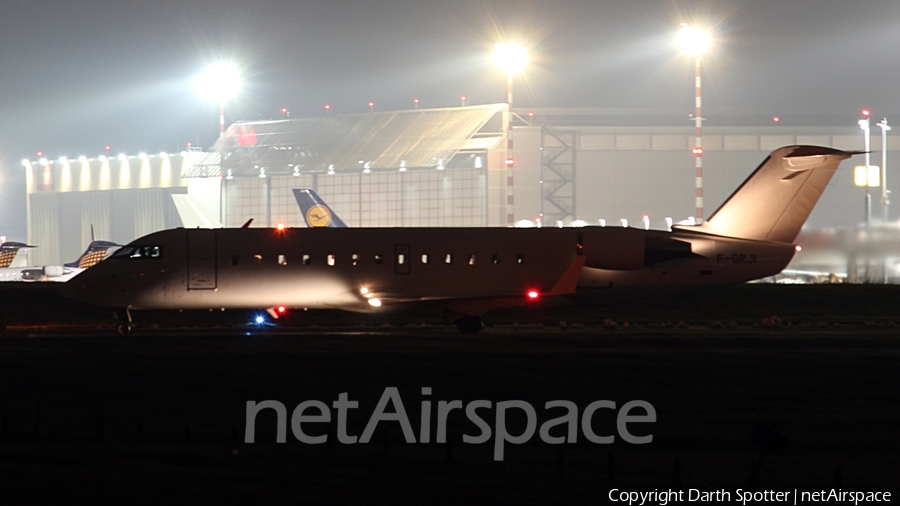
(495, 259)
(448, 259)
(306, 260)
(331, 260)
(425, 259)
(354, 259)
(257, 259)
(138, 252)
(520, 259)
(472, 259)
(282, 260)
(401, 259)
(379, 259)
(235, 259)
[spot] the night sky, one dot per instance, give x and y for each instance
(77, 76)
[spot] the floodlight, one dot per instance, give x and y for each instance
(510, 58)
(219, 82)
(693, 41)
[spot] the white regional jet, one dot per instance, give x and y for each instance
(468, 271)
(95, 252)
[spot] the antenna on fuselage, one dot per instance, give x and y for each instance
(247, 225)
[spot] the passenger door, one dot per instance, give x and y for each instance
(201, 259)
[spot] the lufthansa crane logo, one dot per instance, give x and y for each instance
(318, 216)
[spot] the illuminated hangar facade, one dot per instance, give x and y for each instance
(428, 167)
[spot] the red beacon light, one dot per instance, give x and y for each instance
(281, 309)
(280, 227)
(866, 112)
(533, 294)
(776, 119)
(698, 151)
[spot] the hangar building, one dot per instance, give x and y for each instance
(426, 167)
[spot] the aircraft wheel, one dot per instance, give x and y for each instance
(124, 328)
(468, 324)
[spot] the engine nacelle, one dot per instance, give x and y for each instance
(52, 271)
(613, 248)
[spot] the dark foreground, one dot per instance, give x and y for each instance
(160, 415)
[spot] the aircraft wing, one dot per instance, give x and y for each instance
(479, 305)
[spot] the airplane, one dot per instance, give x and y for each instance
(8, 252)
(94, 253)
(316, 212)
(467, 271)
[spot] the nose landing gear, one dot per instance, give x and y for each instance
(125, 325)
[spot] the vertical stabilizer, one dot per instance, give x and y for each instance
(95, 252)
(315, 211)
(775, 201)
(8, 252)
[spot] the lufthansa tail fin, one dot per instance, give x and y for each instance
(775, 201)
(95, 252)
(8, 252)
(315, 211)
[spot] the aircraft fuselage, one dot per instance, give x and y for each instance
(345, 268)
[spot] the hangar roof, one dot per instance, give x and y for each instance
(419, 138)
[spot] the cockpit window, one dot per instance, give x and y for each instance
(138, 252)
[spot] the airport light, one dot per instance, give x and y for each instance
(510, 59)
(218, 83)
(864, 125)
(462, 100)
(327, 108)
(885, 202)
(694, 42)
(416, 102)
(866, 176)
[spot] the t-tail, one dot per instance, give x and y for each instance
(775, 201)
(315, 211)
(8, 252)
(95, 252)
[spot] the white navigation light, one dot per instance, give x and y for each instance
(375, 302)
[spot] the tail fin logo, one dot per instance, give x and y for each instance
(318, 216)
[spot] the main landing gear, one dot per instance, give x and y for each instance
(125, 325)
